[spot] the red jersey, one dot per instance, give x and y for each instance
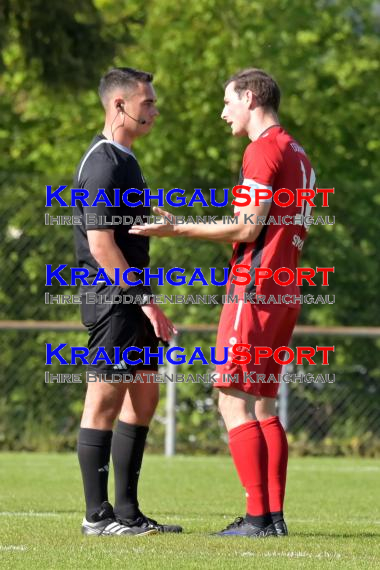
(274, 161)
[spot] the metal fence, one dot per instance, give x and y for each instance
(334, 404)
(337, 417)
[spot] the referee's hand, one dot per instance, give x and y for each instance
(163, 327)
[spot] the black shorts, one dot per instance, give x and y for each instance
(116, 324)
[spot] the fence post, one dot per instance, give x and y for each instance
(171, 387)
(283, 398)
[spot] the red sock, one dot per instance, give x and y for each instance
(277, 445)
(249, 453)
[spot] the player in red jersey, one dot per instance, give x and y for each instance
(273, 160)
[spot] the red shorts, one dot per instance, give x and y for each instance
(256, 325)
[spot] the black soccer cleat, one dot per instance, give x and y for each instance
(281, 528)
(142, 519)
(240, 527)
(103, 523)
(164, 527)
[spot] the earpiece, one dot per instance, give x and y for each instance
(120, 106)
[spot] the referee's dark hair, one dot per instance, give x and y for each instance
(125, 78)
(264, 87)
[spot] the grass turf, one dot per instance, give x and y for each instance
(332, 510)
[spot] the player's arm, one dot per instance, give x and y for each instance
(247, 229)
(260, 165)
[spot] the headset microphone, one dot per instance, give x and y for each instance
(139, 121)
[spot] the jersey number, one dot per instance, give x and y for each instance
(306, 208)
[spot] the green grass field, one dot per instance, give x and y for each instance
(333, 514)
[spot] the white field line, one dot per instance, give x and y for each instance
(294, 554)
(299, 554)
(30, 514)
(12, 548)
(342, 469)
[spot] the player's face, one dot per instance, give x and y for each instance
(142, 106)
(236, 111)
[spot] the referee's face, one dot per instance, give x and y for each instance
(235, 111)
(141, 105)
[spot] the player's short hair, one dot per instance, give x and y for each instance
(125, 78)
(264, 87)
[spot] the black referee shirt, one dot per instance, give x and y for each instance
(108, 165)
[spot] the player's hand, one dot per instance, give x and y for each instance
(158, 230)
(163, 327)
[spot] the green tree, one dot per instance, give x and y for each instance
(324, 55)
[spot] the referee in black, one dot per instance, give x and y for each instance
(129, 101)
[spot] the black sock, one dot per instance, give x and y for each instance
(277, 516)
(260, 520)
(128, 444)
(94, 448)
